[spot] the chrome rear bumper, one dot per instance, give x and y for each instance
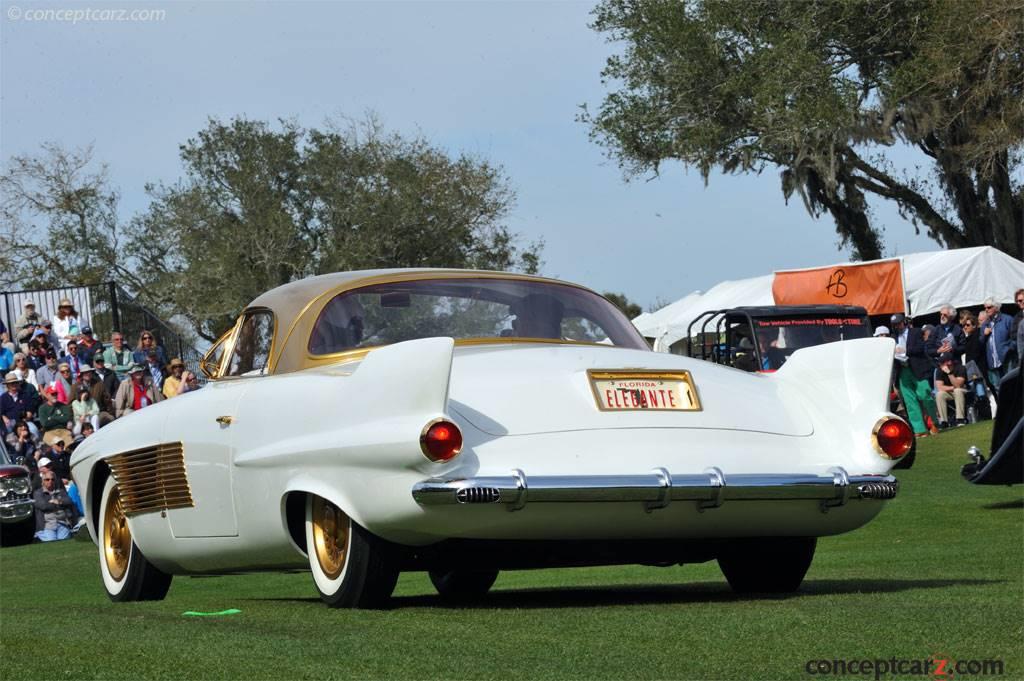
(656, 489)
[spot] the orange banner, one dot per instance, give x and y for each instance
(876, 286)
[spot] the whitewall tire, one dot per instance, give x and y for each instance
(351, 567)
(127, 575)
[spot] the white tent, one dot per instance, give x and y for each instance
(961, 277)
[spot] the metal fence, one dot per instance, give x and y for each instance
(106, 307)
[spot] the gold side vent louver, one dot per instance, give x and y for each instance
(152, 478)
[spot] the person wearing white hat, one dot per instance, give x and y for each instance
(882, 332)
(16, 404)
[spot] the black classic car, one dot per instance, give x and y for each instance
(1006, 463)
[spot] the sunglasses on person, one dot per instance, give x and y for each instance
(65, 371)
(968, 323)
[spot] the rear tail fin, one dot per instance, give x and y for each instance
(844, 384)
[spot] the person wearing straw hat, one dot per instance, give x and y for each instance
(66, 324)
(136, 392)
(17, 404)
(172, 383)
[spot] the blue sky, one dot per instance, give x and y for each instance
(499, 80)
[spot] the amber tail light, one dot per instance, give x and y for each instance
(441, 440)
(892, 437)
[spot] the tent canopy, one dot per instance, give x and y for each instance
(963, 277)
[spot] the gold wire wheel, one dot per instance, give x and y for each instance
(330, 537)
(117, 538)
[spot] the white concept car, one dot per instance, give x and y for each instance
(362, 424)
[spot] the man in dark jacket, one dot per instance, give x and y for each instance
(16, 404)
(915, 375)
(947, 336)
(55, 511)
(107, 376)
(998, 341)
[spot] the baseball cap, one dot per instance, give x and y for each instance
(946, 357)
(45, 461)
(86, 330)
(880, 330)
(898, 318)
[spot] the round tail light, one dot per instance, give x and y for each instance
(892, 437)
(441, 440)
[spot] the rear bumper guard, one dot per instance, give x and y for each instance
(656, 489)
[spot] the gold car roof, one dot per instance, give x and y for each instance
(297, 305)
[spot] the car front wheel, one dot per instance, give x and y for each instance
(127, 575)
(351, 567)
(767, 565)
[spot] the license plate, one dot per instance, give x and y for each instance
(644, 391)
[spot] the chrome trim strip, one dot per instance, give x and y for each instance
(658, 488)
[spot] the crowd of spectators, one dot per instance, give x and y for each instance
(961, 360)
(61, 385)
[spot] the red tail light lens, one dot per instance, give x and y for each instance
(893, 437)
(441, 441)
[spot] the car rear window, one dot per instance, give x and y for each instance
(467, 308)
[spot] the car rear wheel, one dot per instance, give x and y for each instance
(127, 575)
(459, 586)
(351, 567)
(767, 565)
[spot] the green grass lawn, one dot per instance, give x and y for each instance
(940, 571)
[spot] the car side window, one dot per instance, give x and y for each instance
(210, 363)
(250, 355)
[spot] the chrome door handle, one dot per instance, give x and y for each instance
(225, 420)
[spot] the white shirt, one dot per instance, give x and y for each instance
(28, 375)
(901, 343)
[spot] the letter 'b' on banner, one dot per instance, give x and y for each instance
(876, 286)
